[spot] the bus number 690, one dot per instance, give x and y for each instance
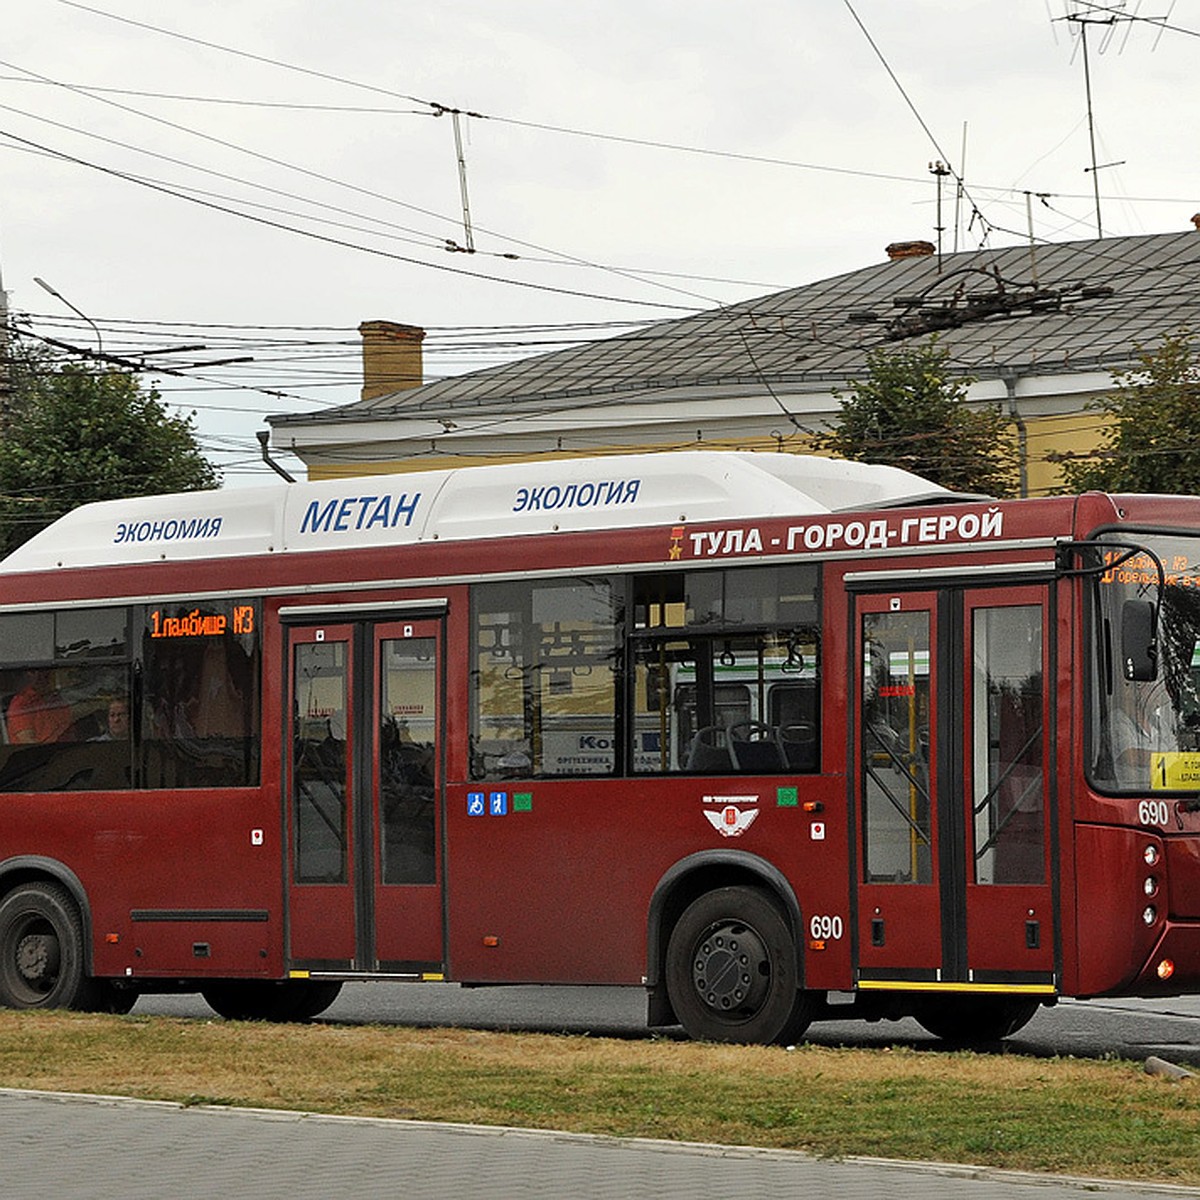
(1152, 812)
(825, 927)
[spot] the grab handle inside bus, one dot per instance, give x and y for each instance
(1139, 652)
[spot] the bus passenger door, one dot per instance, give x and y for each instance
(405, 800)
(899, 922)
(1008, 729)
(952, 735)
(321, 834)
(364, 798)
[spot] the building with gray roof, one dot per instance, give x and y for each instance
(1040, 329)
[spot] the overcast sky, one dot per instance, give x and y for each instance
(619, 152)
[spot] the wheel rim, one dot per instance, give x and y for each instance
(36, 958)
(731, 970)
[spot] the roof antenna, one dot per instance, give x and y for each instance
(960, 188)
(1083, 20)
(940, 171)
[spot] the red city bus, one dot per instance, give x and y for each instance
(776, 738)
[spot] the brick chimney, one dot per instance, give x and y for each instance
(391, 356)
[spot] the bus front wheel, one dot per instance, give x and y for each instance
(41, 950)
(732, 971)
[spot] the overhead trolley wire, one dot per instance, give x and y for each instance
(342, 242)
(337, 182)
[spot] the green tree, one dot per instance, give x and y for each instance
(73, 433)
(911, 412)
(1148, 440)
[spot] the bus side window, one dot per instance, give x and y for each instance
(793, 712)
(55, 724)
(200, 706)
(544, 677)
(799, 745)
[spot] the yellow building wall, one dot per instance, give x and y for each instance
(1046, 439)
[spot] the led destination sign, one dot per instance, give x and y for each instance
(210, 621)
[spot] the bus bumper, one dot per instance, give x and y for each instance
(1173, 967)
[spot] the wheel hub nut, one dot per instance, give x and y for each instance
(36, 957)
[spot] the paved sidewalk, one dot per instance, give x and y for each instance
(107, 1148)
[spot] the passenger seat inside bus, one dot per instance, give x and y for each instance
(798, 745)
(710, 750)
(753, 747)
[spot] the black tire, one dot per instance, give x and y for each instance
(732, 970)
(311, 998)
(110, 997)
(42, 958)
(969, 1020)
(266, 1000)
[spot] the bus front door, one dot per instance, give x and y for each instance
(364, 798)
(952, 733)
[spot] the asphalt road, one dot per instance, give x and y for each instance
(1134, 1029)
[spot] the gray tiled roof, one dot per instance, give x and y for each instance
(1074, 306)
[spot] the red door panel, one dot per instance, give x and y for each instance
(900, 931)
(365, 798)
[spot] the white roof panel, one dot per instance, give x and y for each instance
(610, 492)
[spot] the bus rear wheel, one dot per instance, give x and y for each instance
(732, 971)
(109, 997)
(41, 950)
(965, 1020)
(265, 1000)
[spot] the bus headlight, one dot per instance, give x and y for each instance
(1149, 914)
(1150, 855)
(1150, 886)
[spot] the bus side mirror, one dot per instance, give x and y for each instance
(1139, 654)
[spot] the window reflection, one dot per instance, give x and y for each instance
(320, 780)
(1008, 745)
(895, 719)
(87, 705)
(408, 724)
(1144, 734)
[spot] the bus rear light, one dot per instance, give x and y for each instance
(1149, 914)
(1150, 855)
(1150, 886)
(1165, 969)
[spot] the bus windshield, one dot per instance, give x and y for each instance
(1145, 732)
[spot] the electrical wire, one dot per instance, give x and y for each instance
(334, 241)
(342, 183)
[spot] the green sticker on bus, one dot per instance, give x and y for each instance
(522, 802)
(787, 797)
